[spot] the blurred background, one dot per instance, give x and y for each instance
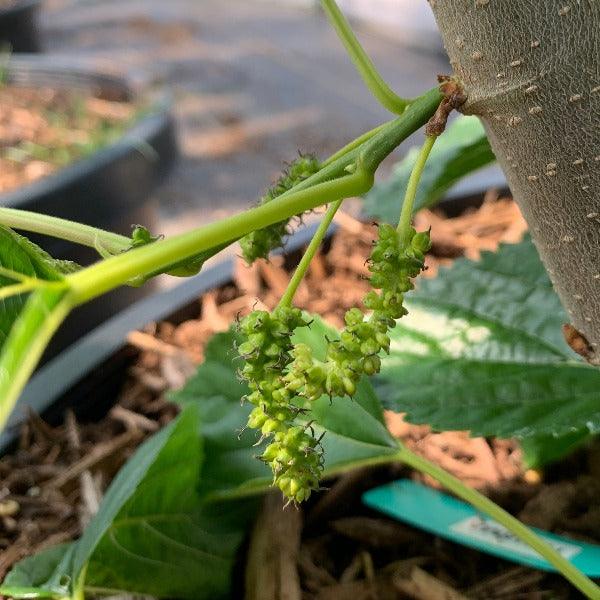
(252, 82)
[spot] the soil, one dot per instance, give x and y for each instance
(333, 547)
(44, 129)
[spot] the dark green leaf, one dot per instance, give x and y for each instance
(153, 533)
(462, 149)
(133, 480)
(482, 349)
(168, 463)
(173, 549)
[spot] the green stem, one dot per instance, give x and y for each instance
(311, 250)
(16, 289)
(62, 228)
(383, 143)
(375, 145)
(367, 70)
(79, 588)
(118, 270)
(20, 277)
(404, 223)
(359, 141)
(485, 505)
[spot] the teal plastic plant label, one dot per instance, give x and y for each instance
(455, 520)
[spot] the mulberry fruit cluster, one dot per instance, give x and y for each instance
(395, 260)
(284, 378)
(259, 243)
(294, 455)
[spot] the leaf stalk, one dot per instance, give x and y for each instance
(583, 583)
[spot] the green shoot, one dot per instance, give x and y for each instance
(288, 296)
(364, 65)
(413, 184)
(70, 231)
(584, 584)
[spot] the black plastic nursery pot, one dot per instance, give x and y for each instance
(109, 189)
(19, 29)
(88, 375)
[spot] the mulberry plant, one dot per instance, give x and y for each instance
(286, 379)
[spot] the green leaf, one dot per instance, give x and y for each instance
(32, 577)
(482, 349)
(354, 429)
(545, 449)
(462, 149)
(173, 549)
(168, 463)
(38, 263)
(154, 533)
(19, 255)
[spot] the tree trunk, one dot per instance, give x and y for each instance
(531, 71)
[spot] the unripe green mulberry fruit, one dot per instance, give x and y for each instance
(259, 243)
(278, 372)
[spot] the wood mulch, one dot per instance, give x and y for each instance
(333, 547)
(43, 129)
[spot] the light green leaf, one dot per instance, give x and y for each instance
(19, 255)
(482, 349)
(460, 150)
(34, 577)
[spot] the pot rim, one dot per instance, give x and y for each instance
(27, 69)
